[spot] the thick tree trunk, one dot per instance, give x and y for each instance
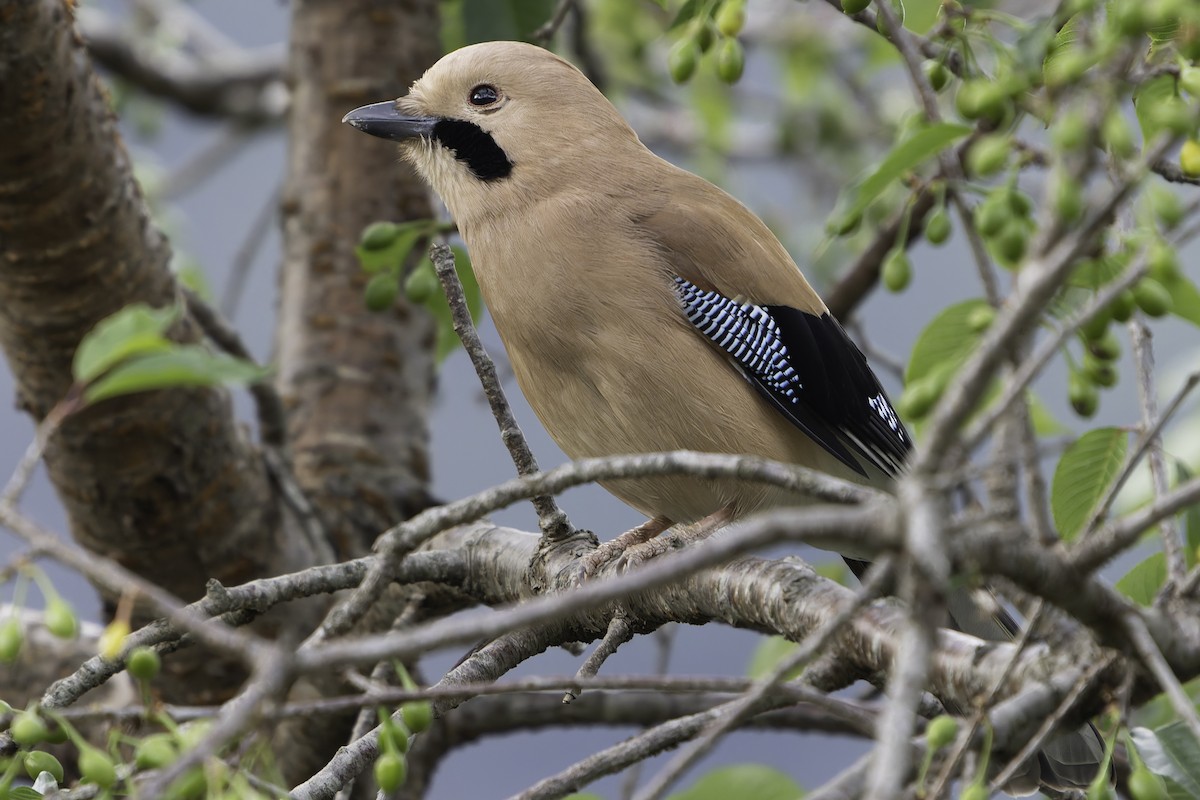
(358, 385)
(164, 482)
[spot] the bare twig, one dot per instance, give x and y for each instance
(739, 710)
(243, 259)
(546, 32)
(1048, 727)
(1143, 359)
(1148, 651)
(551, 519)
(397, 542)
(619, 632)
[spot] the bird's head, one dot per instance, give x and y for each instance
(495, 123)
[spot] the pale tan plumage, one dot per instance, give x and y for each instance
(577, 232)
(574, 261)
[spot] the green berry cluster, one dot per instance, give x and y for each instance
(716, 31)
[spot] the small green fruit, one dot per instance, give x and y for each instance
(1096, 327)
(12, 636)
(1066, 68)
(731, 17)
(941, 731)
(855, 6)
(843, 225)
(378, 235)
(731, 60)
(60, 618)
(705, 34)
(37, 762)
(897, 270)
(1068, 199)
(937, 227)
(1117, 136)
(1106, 347)
(1173, 115)
(1012, 243)
(192, 785)
(1165, 205)
(417, 715)
(1100, 790)
(1070, 132)
(155, 751)
(992, 215)
(1101, 373)
(1189, 158)
(1189, 81)
(1145, 785)
(682, 60)
(988, 155)
(1019, 202)
(1163, 262)
(1122, 306)
(96, 767)
(143, 664)
(381, 291)
(1083, 396)
(27, 729)
(937, 74)
(1152, 297)
(390, 771)
(970, 98)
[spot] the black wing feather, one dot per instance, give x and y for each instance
(810, 370)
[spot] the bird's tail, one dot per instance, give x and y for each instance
(1068, 760)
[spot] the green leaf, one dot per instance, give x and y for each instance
(1044, 422)
(1173, 753)
(686, 13)
(908, 155)
(1092, 273)
(767, 655)
(25, 793)
(1185, 295)
(743, 780)
(186, 365)
(134, 330)
(1064, 40)
(945, 343)
(1141, 584)
(1148, 98)
(1083, 475)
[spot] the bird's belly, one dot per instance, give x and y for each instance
(641, 404)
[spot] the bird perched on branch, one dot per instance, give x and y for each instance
(646, 310)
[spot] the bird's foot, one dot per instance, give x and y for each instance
(613, 549)
(643, 542)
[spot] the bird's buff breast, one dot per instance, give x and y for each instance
(665, 390)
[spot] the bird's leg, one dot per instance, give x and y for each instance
(609, 550)
(686, 535)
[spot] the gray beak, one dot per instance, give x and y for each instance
(384, 121)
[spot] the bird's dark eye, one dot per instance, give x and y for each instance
(484, 95)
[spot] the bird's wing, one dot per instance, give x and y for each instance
(739, 288)
(809, 370)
